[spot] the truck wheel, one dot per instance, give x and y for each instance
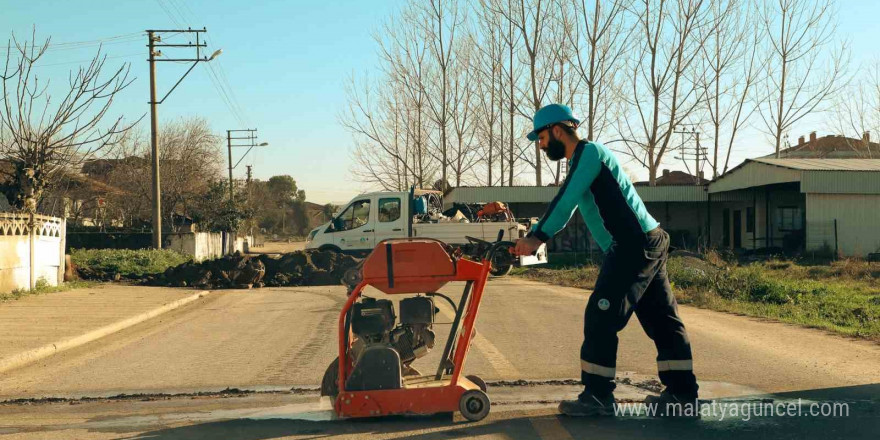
(330, 248)
(474, 405)
(500, 271)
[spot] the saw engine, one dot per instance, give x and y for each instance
(383, 350)
(373, 322)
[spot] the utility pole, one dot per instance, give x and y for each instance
(154, 41)
(154, 133)
(697, 150)
(251, 139)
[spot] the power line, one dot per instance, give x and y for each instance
(72, 45)
(90, 60)
(168, 13)
(229, 87)
(176, 9)
(222, 94)
(218, 70)
(224, 90)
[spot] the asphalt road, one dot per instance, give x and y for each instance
(277, 339)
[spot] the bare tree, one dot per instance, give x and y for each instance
(509, 98)
(664, 88)
(729, 74)
(464, 118)
(566, 80)
(190, 154)
(441, 21)
(42, 137)
(377, 109)
(531, 21)
(378, 127)
(600, 40)
(488, 65)
(405, 51)
(856, 113)
(799, 77)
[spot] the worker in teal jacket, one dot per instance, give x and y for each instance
(633, 276)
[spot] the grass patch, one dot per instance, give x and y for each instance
(109, 264)
(843, 296)
(42, 287)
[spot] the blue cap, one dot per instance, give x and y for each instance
(549, 115)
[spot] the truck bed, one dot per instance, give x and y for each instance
(455, 233)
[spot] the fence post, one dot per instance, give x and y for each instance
(31, 237)
(62, 265)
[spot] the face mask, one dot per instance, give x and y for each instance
(555, 148)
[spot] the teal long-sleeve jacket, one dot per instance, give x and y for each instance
(598, 186)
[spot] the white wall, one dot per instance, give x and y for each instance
(857, 217)
(206, 245)
(16, 242)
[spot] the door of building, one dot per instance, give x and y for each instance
(737, 229)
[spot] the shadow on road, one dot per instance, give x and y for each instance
(862, 420)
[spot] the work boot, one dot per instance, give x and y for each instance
(668, 404)
(588, 405)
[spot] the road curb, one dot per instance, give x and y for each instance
(32, 355)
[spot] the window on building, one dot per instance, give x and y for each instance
(750, 220)
(389, 210)
(789, 218)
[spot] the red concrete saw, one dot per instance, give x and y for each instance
(373, 375)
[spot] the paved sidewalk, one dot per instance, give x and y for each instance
(35, 326)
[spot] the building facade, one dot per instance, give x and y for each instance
(795, 205)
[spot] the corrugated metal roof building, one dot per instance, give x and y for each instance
(830, 205)
(796, 204)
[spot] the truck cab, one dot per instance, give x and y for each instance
(356, 227)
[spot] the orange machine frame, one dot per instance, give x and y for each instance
(419, 266)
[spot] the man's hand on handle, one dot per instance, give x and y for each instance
(526, 246)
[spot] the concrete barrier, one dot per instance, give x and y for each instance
(207, 245)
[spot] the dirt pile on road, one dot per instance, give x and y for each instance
(306, 268)
(301, 268)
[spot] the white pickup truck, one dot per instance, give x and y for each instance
(370, 218)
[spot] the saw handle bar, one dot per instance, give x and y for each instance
(486, 250)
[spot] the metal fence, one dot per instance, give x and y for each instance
(822, 237)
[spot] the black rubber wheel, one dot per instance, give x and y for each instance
(330, 384)
(474, 405)
(329, 248)
(500, 271)
(478, 381)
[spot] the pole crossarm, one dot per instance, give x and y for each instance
(252, 137)
(181, 45)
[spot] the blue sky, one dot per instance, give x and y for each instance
(286, 61)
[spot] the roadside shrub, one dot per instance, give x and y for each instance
(113, 264)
